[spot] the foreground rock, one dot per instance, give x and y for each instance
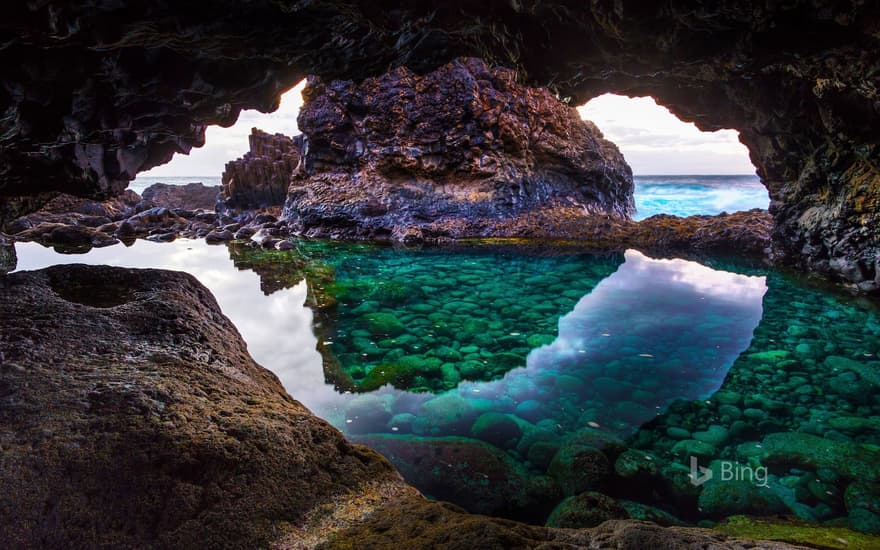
(463, 151)
(132, 415)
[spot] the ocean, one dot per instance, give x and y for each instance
(676, 195)
(691, 195)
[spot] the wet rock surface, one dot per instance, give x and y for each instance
(453, 153)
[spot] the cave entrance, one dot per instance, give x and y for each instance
(677, 168)
(205, 164)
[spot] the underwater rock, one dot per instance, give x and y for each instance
(497, 429)
(721, 498)
(132, 415)
(586, 510)
(851, 460)
(578, 468)
(462, 151)
(470, 473)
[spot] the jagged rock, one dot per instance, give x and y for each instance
(69, 210)
(192, 196)
(459, 152)
(261, 177)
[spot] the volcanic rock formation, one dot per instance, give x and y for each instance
(95, 92)
(448, 154)
(261, 177)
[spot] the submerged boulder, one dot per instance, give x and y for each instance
(462, 151)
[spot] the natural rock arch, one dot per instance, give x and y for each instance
(96, 91)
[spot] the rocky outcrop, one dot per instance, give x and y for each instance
(156, 428)
(88, 104)
(261, 177)
(159, 430)
(453, 153)
(191, 196)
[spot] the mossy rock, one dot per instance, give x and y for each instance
(585, 510)
(395, 374)
(798, 532)
(501, 430)
(578, 468)
(384, 324)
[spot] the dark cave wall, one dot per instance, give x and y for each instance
(97, 90)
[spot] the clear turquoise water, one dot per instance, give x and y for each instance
(690, 195)
(505, 379)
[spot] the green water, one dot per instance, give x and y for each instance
(510, 379)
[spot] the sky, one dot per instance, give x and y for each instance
(652, 139)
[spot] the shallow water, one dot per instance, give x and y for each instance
(505, 378)
(691, 195)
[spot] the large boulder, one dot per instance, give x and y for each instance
(462, 151)
(131, 415)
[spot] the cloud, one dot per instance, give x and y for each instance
(225, 144)
(654, 141)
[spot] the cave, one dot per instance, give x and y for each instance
(111, 91)
(356, 351)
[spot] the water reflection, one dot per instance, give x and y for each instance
(651, 332)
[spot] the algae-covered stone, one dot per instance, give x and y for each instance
(531, 410)
(541, 453)
(678, 433)
(637, 510)
(449, 413)
(498, 429)
(714, 435)
(384, 324)
(368, 413)
(470, 473)
(578, 468)
(863, 504)
(798, 532)
(693, 447)
(585, 510)
(721, 498)
(804, 450)
(636, 463)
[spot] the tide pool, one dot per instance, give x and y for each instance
(509, 379)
